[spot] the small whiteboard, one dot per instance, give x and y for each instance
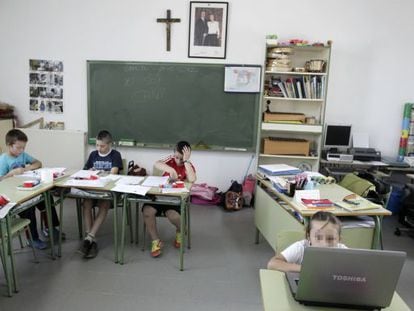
(57, 148)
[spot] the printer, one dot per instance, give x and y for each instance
(365, 154)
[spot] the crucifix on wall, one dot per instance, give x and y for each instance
(168, 21)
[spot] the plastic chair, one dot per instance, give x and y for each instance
(17, 226)
(286, 238)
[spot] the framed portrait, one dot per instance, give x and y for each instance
(208, 29)
(242, 78)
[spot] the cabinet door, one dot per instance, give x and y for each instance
(5, 126)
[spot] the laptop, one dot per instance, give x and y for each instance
(347, 278)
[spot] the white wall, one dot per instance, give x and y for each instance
(371, 69)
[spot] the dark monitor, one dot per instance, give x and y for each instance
(337, 136)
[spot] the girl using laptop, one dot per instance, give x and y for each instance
(324, 230)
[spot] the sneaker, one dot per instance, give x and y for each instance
(55, 234)
(84, 247)
(38, 244)
(178, 240)
(156, 248)
(93, 251)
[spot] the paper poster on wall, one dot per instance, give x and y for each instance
(242, 78)
(46, 86)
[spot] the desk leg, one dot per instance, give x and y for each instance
(123, 225)
(182, 230)
(46, 197)
(115, 227)
(62, 197)
(257, 236)
(377, 241)
(10, 247)
(137, 211)
(5, 256)
(188, 223)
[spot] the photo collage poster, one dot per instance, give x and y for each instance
(46, 86)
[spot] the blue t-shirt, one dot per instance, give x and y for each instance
(8, 162)
(113, 159)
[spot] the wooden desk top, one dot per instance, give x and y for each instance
(332, 192)
(276, 295)
(8, 186)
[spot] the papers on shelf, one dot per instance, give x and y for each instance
(135, 189)
(155, 181)
(279, 169)
(4, 210)
(175, 190)
(279, 183)
(130, 180)
(97, 183)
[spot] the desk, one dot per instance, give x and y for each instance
(8, 186)
(276, 295)
(183, 202)
(275, 212)
(106, 195)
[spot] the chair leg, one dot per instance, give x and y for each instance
(20, 240)
(11, 254)
(36, 260)
(144, 229)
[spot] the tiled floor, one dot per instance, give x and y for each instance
(221, 270)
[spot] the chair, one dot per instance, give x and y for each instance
(406, 213)
(186, 234)
(17, 225)
(286, 238)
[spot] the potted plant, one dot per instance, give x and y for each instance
(271, 39)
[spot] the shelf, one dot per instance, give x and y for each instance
(310, 48)
(263, 155)
(294, 73)
(317, 100)
(298, 128)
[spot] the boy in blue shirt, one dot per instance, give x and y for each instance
(104, 158)
(15, 162)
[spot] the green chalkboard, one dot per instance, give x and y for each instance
(158, 104)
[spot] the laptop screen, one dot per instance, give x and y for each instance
(355, 277)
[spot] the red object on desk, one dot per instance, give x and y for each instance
(3, 200)
(178, 184)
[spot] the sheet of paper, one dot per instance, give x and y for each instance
(5, 209)
(175, 190)
(130, 180)
(98, 183)
(131, 189)
(84, 174)
(360, 140)
(307, 194)
(112, 177)
(155, 181)
(276, 168)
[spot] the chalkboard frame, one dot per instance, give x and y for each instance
(254, 100)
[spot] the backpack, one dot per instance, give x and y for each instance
(204, 194)
(233, 198)
(135, 170)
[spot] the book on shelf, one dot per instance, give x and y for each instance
(318, 204)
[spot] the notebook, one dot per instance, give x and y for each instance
(347, 278)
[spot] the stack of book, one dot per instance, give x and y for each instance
(278, 170)
(309, 87)
(318, 204)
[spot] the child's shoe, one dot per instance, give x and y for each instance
(93, 251)
(178, 240)
(156, 248)
(38, 244)
(85, 247)
(55, 234)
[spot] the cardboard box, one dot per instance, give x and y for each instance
(282, 116)
(286, 146)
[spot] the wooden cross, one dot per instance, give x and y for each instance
(168, 22)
